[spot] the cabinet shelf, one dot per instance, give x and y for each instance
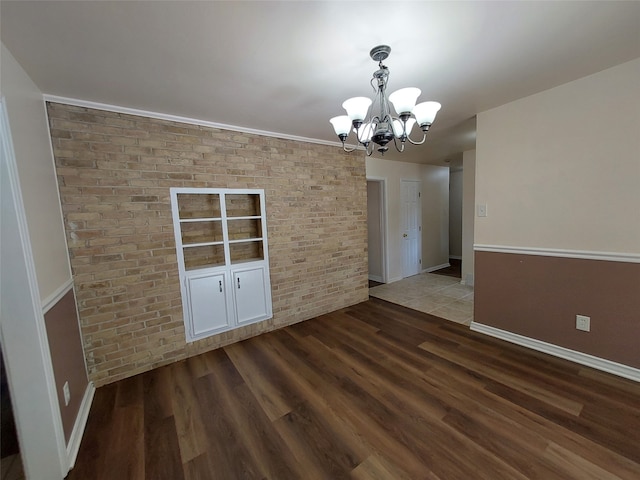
(247, 260)
(202, 244)
(245, 217)
(200, 219)
(243, 240)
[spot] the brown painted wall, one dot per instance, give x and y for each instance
(539, 297)
(67, 357)
(114, 173)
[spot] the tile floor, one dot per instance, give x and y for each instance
(437, 295)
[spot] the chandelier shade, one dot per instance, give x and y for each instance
(404, 100)
(357, 108)
(400, 129)
(377, 128)
(341, 124)
(425, 112)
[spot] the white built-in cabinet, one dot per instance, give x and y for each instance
(221, 243)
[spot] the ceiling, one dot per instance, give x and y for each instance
(286, 67)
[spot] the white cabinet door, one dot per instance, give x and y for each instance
(207, 303)
(249, 295)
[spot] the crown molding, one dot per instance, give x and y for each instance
(176, 118)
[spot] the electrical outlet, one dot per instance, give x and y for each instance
(583, 323)
(67, 393)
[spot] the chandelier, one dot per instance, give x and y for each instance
(376, 131)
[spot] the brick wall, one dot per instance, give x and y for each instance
(114, 173)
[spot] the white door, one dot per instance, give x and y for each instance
(411, 229)
(207, 303)
(249, 295)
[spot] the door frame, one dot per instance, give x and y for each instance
(23, 334)
(383, 233)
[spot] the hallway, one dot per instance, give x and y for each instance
(438, 295)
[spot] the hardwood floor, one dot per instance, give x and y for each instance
(453, 270)
(374, 391)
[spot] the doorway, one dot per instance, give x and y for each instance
(376, 230)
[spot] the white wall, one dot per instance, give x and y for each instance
(435, 216)
(435, 210)
(561, 168)
(468, 214)
(31, 142)
(455, 213)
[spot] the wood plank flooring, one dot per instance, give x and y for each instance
(374, 391)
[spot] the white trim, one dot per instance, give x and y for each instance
(455, 257)
(78, 427)
(437, 267)
(572, 355)
(192, 121)
(394, 279)
(56, 296)
(558, 252)
(376, 278)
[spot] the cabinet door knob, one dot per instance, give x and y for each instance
(220, 283)
(238, 282)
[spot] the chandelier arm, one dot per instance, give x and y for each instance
(369, 149)
(413, 142)
(344, 147)
(395, 144)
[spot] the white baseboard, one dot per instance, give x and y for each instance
(455, 257)
(376, 278)
(81, 422)
(574, 356)
(437, 267)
